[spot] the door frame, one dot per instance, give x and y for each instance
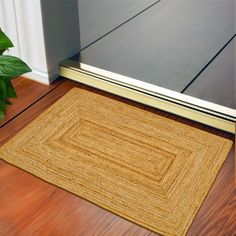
(208, 113)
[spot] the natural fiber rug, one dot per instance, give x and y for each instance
(149, 169)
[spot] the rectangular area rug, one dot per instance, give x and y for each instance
(149, 169)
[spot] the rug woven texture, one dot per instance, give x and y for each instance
(149, 169)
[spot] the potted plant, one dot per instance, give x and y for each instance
(10, 68)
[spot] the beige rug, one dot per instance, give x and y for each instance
(149, 169)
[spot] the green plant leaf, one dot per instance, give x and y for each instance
(3, 90)
(5, 42)
(2, 51)
(2, 115)
(12, 66)
(6, 91)
(10, 91)
(3, 105)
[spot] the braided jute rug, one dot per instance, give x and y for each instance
(149, 169)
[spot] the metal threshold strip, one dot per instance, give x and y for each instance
(180, 104)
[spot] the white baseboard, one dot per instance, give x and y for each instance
(42, 77)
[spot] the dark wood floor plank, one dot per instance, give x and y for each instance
(17, 124)
(217, 215)
(30, 206)
(98, 17)
(28, 92)
(218, 82)
(167, 45)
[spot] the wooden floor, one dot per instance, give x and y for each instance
(30, 206)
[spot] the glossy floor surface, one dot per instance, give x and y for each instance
(99, 17)
(185, 46)
(30, 206)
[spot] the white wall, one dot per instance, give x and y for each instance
(44, 33)
(8, 23)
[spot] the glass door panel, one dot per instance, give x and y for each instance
(176, 51)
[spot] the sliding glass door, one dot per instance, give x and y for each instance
(179, 56)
